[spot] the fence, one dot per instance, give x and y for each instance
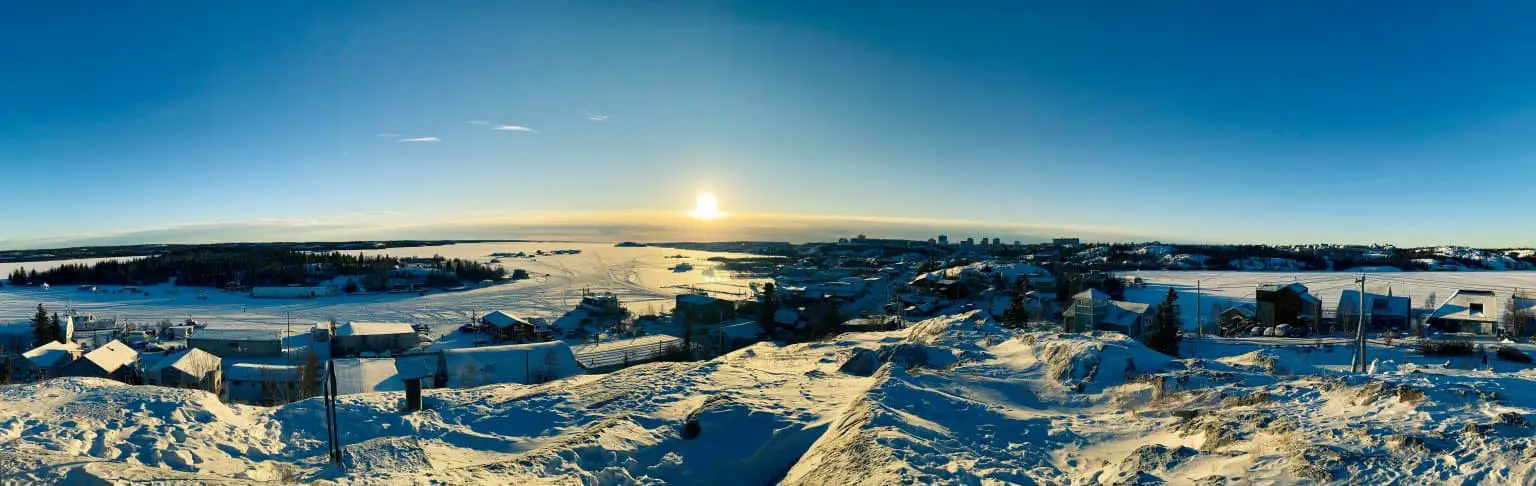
(619, 354)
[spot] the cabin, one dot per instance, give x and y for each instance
(191, 368)
(294, 292)
(43, 362)
(1289, 304)
(355, 338)
(237, 343)
(114, 361)
(1237, 319)
(1523, 307)
(1092, 309)
(1468, 311)
(507, 327)
(702, 309)
(514, 363)
(262, 384)
(1383, 310)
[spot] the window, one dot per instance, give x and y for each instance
(1476, 309)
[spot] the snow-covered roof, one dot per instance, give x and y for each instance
(366, 375)
(1460, 306)
(52, 354)
(374, 328)
(235, 335)
(503, 319)
(190, 361)
(112, 356)
(261, 372)
(1125, 314)
(1245, 308)
(1396, 305)
(1090, 294)
(417, 366)
(516, 363)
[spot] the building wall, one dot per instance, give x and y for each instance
(375, 343)
(236, 349)
(712, 313)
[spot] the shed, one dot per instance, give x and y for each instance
(191, 368)
(113, 360)
(514, 363)
(354, 338)
(261, 384)
(232, 343)
(513, 328)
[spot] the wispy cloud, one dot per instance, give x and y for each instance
(478, 122)
(515, 128)
(597, 117)
(421, 139)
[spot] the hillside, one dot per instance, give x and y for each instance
(952, 400)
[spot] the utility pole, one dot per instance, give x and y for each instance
(1199, 327)
(1360, 363)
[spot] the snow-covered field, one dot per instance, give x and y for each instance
(951, 400)
(640, 276)
(1221, 288)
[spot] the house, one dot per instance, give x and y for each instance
(702, 309)
(1382, 309)
(263, 384)
(1468, 311)
(191, 368)
(1238, 318)
(237, 343)
(513, 363)
(354, 338)
(508, 327)
(1523, 307)
(294, 292)
(1288, 304)
(43, 362)
(113, 360)
(1092, 309)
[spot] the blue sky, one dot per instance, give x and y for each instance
(1401, 122)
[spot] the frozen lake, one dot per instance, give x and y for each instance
(641, 277)
(7, 268)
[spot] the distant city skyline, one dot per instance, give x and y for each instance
(1200, 122)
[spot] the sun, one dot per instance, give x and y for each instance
(706, 208)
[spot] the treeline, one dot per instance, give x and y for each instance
(260, 267)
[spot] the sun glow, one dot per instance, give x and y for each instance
(706, 208)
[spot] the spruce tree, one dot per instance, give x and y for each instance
(42, 330)
(1164, 334)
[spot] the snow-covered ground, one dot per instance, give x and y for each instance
(641, 277)
(950, 400)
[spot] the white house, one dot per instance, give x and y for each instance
(1468, 311)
